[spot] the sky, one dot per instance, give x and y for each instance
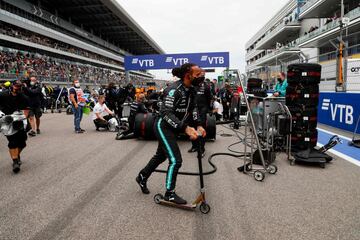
(190, 26)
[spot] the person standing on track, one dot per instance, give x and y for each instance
(111, 96)
(175, 113)
(34, 93)
(124, 94)
(225, 95)
(11, 101)
(77, 101)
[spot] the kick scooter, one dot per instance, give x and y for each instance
(200, 200)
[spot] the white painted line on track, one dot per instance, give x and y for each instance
(343, 156)
(332, 133)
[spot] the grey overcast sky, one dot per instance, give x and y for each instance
(185, 26)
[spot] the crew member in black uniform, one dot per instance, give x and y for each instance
(124, 94)
(131, 91)
(111, 99)
(175, 113)
(203, 100)
(136, 107)
(226, 95)
(35, 96)
(11, 101)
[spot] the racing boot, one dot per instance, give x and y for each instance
(16, 166)
(171, 196)
(141, 180)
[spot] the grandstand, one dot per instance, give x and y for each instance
(63, 40)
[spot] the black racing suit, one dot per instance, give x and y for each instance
(203, 100)
(135, 108)
(175, 113)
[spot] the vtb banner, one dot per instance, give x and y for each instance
(169, 61)
(340, 110)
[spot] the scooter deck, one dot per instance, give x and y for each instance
(188, 206)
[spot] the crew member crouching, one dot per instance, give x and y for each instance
(217, 109)
(99, 119)
(136, 107)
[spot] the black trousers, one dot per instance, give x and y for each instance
(119, 111)
(226, 111)
(167, 148)
(116, 107)
(130, 130)
(99, 123)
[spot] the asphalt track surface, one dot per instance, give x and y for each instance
(82, 187)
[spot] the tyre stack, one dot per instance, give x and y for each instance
(255, 86)
(253, 83)
(302, 98)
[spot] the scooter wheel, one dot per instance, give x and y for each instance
(157, 198)
(59, 111)
(272, 169)
(259, 176)
(204, 208)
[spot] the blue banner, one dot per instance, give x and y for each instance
(169, 61)
(340, 110)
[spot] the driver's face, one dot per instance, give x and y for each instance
(197, 72)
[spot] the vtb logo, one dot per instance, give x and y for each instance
(213, 60)
(144, 62)
(344, 113)
(177, 61)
